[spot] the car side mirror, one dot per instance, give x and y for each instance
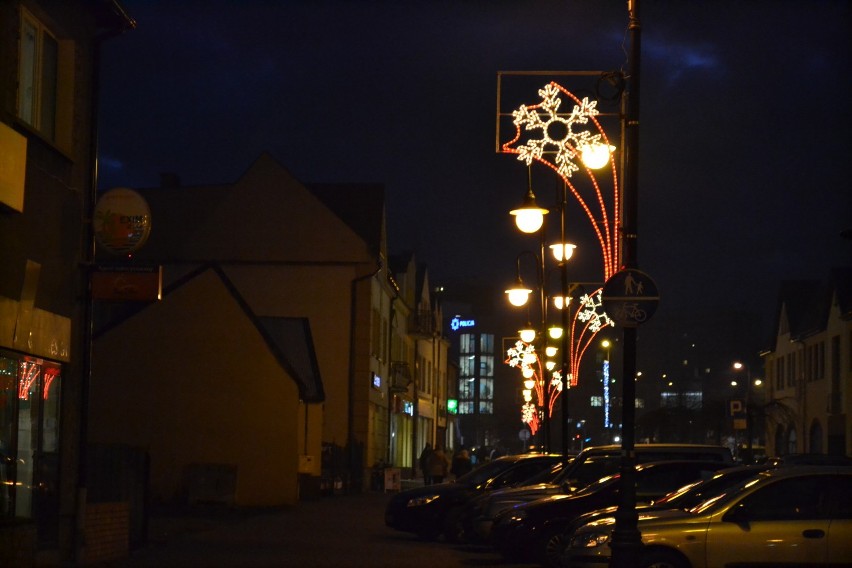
(739, 515)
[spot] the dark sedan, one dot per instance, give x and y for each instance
(535, 531)
(427, 511)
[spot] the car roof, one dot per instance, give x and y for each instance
(666, 446)
(810, 459)
(795, 470)
(518, 457)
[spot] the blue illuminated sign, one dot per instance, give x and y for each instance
(457, 323)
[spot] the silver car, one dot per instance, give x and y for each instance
(792, 516)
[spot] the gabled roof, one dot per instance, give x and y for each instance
(398, 262)
(797, 300)
(289, 339)
(359, 205)
(266, 216)
(804, 306)
(841, 278)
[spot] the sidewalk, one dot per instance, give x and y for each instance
(333, 531)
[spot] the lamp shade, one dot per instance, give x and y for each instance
(596, 154)
(518, 296)
(529, 217)
(527, 335)
(563, 251)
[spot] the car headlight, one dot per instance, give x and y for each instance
(421, 500)
(590, 539)
(515, 516)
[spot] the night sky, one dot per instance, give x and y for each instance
(744, 138)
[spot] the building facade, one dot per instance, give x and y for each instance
(809, 368)
(419, 367)
(49, 54)
(324, 327)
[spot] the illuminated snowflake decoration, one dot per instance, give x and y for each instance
(556, 381)
(546, 118)
(520, 355)
(528, 413)
(591, 310)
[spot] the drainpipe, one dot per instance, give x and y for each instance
(87, 265)
(415, 415)
(353, 311)
(389, 442)
(801, 382)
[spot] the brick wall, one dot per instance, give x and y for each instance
(107, 531)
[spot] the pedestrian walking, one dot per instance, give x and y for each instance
(439, 464)
(423, 461)
(461, 463)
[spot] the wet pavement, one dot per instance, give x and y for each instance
(333, 531)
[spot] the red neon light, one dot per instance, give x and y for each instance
(605, 230)
(29, 373)
(49, 375)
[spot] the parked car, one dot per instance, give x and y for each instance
(588, 466)
(785, 516)
(684, 497)
(534, 531)
(809, 459)
(425, 510)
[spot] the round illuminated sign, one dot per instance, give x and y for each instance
(122, 221)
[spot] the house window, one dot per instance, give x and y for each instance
(38, 76)
(45, 80)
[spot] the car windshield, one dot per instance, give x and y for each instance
(547, 475)
(597, 485)
(483, 473)
(724, 496)
(580, 474)
(691, 495)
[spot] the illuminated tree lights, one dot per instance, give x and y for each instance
(523, 355)
(593, 319)
(588, 321)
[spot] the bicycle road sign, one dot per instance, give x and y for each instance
(630, 297)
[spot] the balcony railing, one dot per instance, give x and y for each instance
(400, 376)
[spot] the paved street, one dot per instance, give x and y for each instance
(335, 531)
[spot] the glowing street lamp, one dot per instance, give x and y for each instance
(529, 217)
(747, 403)
(561, 302)
(595, 155)
(563, 251)
(519, 295)
(527, 334)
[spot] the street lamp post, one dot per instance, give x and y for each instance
(747, 403)
(626, 539)
(562, 255)
(529, 218)
(518, 296)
